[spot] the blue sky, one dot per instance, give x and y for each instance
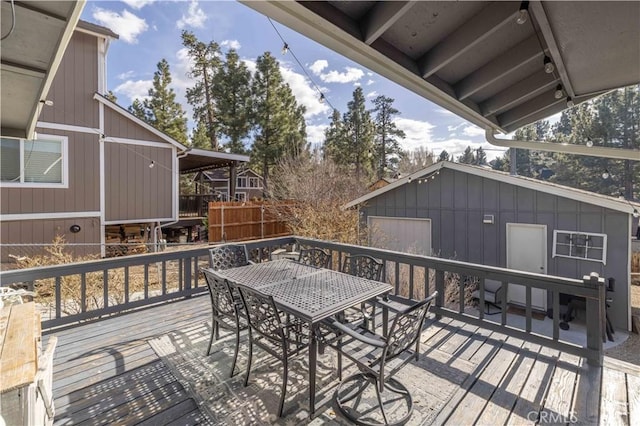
(150, 30)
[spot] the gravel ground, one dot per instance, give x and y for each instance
(629, 350)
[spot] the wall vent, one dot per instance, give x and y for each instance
(488, 218)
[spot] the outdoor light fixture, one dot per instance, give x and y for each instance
(548, 65)
(589, 143)
(47, 102)
(569, 102)
(559, 93)
(321, 97)
(523, 13)
(285, 49)
(152, 164)
(606, 174)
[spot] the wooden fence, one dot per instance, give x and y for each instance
(240, 221)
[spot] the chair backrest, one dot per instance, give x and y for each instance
(406, 328)
(220, 292)
(364, 266)
(228, 256)
(262, 313)
(315, 257)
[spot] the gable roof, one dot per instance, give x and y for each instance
(120, 110)
(223, 174)
(588, 197)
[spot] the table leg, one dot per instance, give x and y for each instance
(313, 353)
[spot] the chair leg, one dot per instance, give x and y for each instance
(213, 327)
(246, 375)
(235, 354)
(285, 376)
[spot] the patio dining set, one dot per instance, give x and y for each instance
(288, 307)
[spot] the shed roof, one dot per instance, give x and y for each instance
(588, 197)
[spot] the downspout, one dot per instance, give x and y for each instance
(158, 229)
(594, 151)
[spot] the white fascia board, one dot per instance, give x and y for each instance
(138, 142)
(68, 128)
(141, 220)
(219, 154)
(45, 216)
(117, 108)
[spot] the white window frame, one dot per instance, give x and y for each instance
(241, 196)
(579, 251)
(238, 185)
(254, 182)
(64, 149)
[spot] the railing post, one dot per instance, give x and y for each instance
(440, 290)
(595, 318)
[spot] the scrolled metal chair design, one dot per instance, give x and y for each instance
(225, 311)
(228, 256)
(315, 257)
(379, 358)
(363, 266)
(272, 333)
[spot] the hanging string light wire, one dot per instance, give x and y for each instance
(287, 49)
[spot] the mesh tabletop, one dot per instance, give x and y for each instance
(267, 273)
(320, 295)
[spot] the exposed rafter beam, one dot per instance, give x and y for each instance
(469, 35)
(39, 11)
(536, 104)
(536, 8)
(381, 17)
(23, 69)
(333, 15)
(595, 151)
(531, 86)
(519, 56)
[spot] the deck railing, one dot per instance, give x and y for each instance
(195, 205)
(173, 275)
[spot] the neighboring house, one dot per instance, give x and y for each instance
(94, 173)
(248, 184)
(478, 215)
(381, 183)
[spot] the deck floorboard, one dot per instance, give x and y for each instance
(111, 372)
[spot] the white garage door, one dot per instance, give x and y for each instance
(400, 234)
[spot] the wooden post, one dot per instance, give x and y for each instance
(232, 181)
(595, 318)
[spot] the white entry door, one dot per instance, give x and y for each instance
(527, 251)
(408, 235)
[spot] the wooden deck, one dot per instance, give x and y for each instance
(148, 367)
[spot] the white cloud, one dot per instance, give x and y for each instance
(137, 4)
(305, 93)
(350, 75)
(134, 89)
(372, 94)
(370, 82)
(195, 17)
(126, 75)
(472, 131)
(127, 25)
(455, 127)
(315, 133)
(418, 133)
(231, 44)
(444, 111)
(318, 66)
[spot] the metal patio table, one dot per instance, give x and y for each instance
(309, 293)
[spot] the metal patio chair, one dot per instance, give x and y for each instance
(273, 333)
(228, 256)
(379, 358)
(363, 266)
(315, 257)
(226, 311)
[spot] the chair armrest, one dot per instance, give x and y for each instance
(364, 339)
(395, 301)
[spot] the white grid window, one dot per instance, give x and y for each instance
(580, 245)
(34, 163)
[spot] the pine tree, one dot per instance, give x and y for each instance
(444, 156)
(334, 138)
(467, 156)
(112, 97)
(232, 94)
(160, 108)
(359, 132)
(206, 65)
(386, 145)
(278, 120)
(481, 157)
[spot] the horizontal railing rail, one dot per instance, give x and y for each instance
(412, 276)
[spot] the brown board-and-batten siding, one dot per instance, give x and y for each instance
(74, 85)
(133, 190)
(456, 203)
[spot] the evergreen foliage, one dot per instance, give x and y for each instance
(386, 147)
(358, 136)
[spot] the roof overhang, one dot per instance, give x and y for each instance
(31, 53)
(473, 58)
(198, 160)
